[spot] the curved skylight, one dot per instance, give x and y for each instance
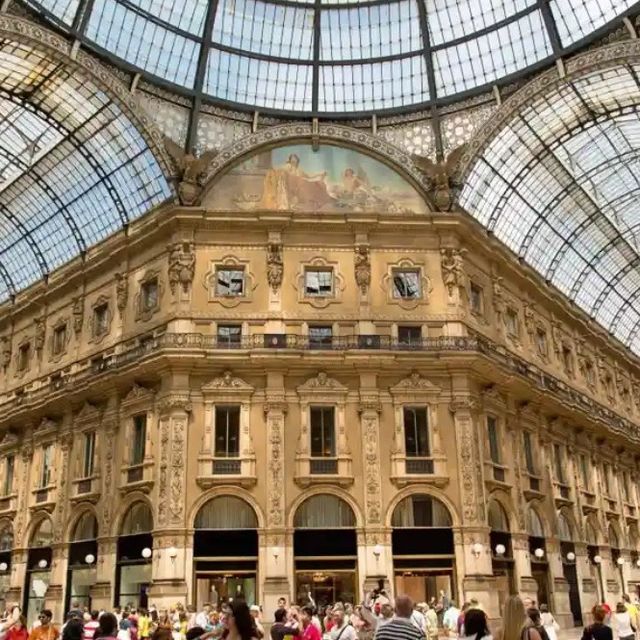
(73, 167)
(333, 56)
(560, 186)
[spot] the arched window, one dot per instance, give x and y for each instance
(86, 528)
(591, 534)
(6, 537)
(564, 528)
(324, 512)
(614, 541)
(226, 512)
(42, 534)
(535, 524)
(498, 520)
(421, 511)
(633, 537)
(138, 519)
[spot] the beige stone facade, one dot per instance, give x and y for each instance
(529, 443)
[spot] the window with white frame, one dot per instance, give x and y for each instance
(416, 432)
(406, 284)
(47, 462)
(318, 282)
(230, 281)
(227, 431)
(139, 440)
(88, 453)
(323, 439)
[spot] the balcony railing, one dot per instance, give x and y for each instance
(75, 375)
(323, 466)
(135, 474)
(419, 465)
(226, 466)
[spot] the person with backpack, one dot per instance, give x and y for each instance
(598, 630)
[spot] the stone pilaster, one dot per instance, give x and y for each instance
(107, 453)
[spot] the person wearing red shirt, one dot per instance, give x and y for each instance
(18, 630)
(310, 631)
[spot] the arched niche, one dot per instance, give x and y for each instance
(614, 539)
(295, 177)
(535, 527)
(565, 530)
(86, 528)
(137, 520)
(42, 534)
(591, 534)
(226, 512)
(497, 517)
(324, 511)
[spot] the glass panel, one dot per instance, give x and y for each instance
(227, 432)
(139, 438)
(42, 535)
(86, 528)
(7, 485)
(229, 334)
(229, 282)
(81, 582)
(6, 538)
(318, 282)
(47, 461)
(534, 525)
(416, 431)
(324, 512)
(498, 520)
(88, 454)
(406, 284)
(564, 528)
(226, 512)
(494, 447)
(38, 585)
(528, 453)
(557, 456)
(319, 336)
(134, 582)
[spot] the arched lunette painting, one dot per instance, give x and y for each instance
(330, 179)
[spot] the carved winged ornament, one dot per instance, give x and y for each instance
(191, 171)
(440, 175)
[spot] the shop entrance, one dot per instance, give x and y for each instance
(225, 552)
(83, 551)
(38, 574)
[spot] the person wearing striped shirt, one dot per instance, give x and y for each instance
(401, 627)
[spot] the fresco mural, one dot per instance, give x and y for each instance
(297, 178)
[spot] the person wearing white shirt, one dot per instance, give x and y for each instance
(450, 619)
(418, 620)
(202, 617)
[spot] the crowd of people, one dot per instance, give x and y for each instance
(377, 618)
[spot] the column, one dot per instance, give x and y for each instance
(587, 587)
(169, 564)
(527, 586)
(375, 556)
(474, 555)
(54, 598)
(559, 595)
(103, 589)
(275, 563)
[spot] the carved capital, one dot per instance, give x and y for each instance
(174, 404)
(463, 404)
(370, 405)
(275, 406)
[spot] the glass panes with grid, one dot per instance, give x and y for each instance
(229, 281)
(229, 334)
(227, 431)
(406, 283)
(416, 431)
(318, 282)
(139, 439)
(322, 421)
(46, 468)
(88, 453)
(320, 336)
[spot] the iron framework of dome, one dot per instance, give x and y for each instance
(335, 56)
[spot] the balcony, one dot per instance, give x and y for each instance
(323, 466)
(8, 504)
(409, 469)
(216, 470)
(43, 498)
(495, 475)
(86, 489)
(562, 494)
(589, 501)
(137, 477)
(419, 465)
(535, 487)
(323, 471)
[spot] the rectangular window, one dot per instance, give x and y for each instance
(406, 284)
(416, 432)
(541, 342)
(24, 356)
(149, 294)
(567, 359)
(7, 483)
(528, 453)
(229, 334)
(101, 319)
(494, 447)
(589, 372)
(139, 438)
(320, 336)
(511, 322)
(410, 335)
(59, 341)
(227, 431)
(318, 282)
(625, 487)
(323, 441)
(230, 282)
(47, 460)
(476, 299)
(584, 472)
(88, 454)
(557, 457)
(605, 479)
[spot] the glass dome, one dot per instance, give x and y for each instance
(333, 56)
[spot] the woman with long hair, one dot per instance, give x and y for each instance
(240, 622)
(515, 623)
(475, 625)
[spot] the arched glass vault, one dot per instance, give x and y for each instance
(74, 168)
(332, 56)
(559, 184)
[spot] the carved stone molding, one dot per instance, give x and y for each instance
(362, 268)
(275, 265)
(122, 292)
(182, 266)
(453, 272)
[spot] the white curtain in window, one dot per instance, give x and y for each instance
(137, 520)
(324, 512)
(226, 512)
(535, 525)
(421, 511)
(498, 520)
(86, 528)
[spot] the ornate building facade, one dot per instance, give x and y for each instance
(309, 369)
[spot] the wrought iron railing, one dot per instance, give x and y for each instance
(419, 465)
(323, 466)
(226, 467)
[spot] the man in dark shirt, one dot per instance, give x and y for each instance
(279, 629)
(598, 630)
